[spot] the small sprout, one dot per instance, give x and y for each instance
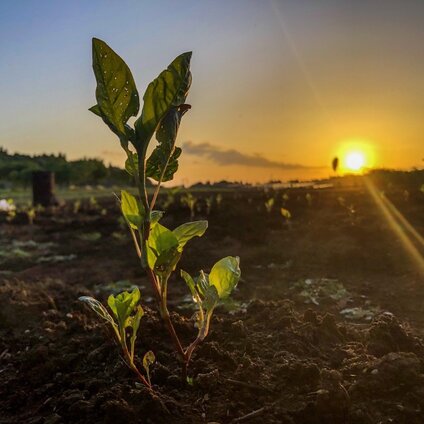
(269, 204)
(190, 201)
(308, 198)
(207, 291)
(285, 213)
(76, 206)
(93, 204)
(127, 315)
(219, 199)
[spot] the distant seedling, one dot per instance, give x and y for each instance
(269, 204)
(158, 248)
(285, 214)
(190, 201)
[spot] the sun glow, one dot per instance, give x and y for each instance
(354, 161)
(356, 155)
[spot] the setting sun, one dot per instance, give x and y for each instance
(355, 161)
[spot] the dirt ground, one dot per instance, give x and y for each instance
(326, 327)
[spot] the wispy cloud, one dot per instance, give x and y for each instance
(234, 157)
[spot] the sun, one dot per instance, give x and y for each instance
(354, 161)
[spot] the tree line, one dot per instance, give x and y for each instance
(16, 170)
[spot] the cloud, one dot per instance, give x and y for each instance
(234, 157)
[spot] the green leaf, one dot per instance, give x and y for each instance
(116, 93)
(134, 323)
(190, 284)
(168, 90)
(187, 231)
(225, 275)
(132, 210)
(123, 305)
(286, 213)
(98, 308)
(211, 298)
(158, 162)
(155, 216)
(163, 162)
(132, 167)
(161, 243)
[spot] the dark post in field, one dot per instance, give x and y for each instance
(43, 188)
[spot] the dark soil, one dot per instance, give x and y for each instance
(271, 359)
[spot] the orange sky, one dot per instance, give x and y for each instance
(279, 87)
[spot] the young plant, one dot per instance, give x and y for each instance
(308, 198)
(125, 323)
(207, 291)
(269, 204)
(158, 248)
(7, 206)
(285, 213)
(190, 201)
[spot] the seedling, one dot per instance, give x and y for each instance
(285, 214)
(7, 206)
(269, 204)
(76, 206)
(170, 196)
(125, 323)
(308, 198)
(218, 199)
(209, 203)
(190, 201)
(158, 248)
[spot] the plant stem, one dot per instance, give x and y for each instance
(131, 364)
(203, 332)
(167, 318)
(155, 194)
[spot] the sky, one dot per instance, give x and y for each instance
(280, 87)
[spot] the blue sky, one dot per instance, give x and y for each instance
(291, 81)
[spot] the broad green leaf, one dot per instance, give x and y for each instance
(202, 283)
(116, 93)
(211, 298)
(187, 231)
(135, 320)
(168, 90)
(163, 162)
(166, 133)
(225, 275)
(96, 110)
(158, 162)
(123, 305)
(167, 261)
(161, 242)
(98, 308)
(132, 210)
(155, 216)
(135, 324)
(190, 284)
(132, 167)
